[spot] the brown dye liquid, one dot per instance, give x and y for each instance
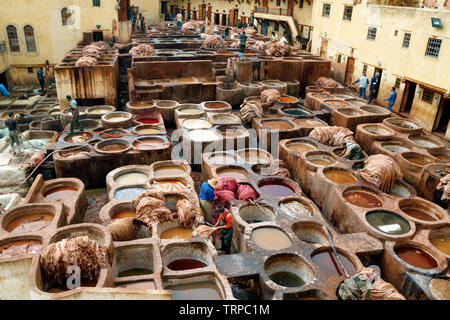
(124, 214)
(139, 285)
(215, 105)
(20, 248)
(443, 157)
(420, 161)
(363, 199)
(300, 147)
(340, 177)
(134, 272)
(185, 264)
(176, 233)
(287, 99)
(29, 223)
(238, 174)
(442, 243)
(113, 147)
(320, 162)
(61, 192)
(326, 261)
(418, 214)
(169, 170)
(287, 279)
(196, 291)
(277, 125)
(416, 257)
(269, 238)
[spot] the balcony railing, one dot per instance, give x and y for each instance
(2, 46)
(277, 11)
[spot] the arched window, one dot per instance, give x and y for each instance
(29, 38)
(13, 39)
(66, 16)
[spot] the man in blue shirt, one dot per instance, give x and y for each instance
(40, 76)
(373, 87)
(75, 114)
(242, 41)
(391, 99)
(363, 83)
(206, 197)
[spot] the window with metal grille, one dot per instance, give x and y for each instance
(397, 82)
(30, 69)
(278, 3)
(427, 96)
(300, 5)
(96, 3)
(348, 12)
(365, 69)
(372, 33)
(66, 16)
(276, 26)
(13, 39)
(406, 39)
(433, 47)
(29, 38)
(326, 10)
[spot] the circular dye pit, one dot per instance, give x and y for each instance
(374, 110)
(216, 105)
(336, 103)
(326, 261)
(400, 190)
(234, 172)
(222, 159)
(29, 223)
(99, 110)
(78, 137)
(131, 213)
(169, 186)
(421, 210)
(320, 159)
(424, 142)
(288, 99)
(309, 122)
(254, 157)
(128, 193)
(301, 146)
(117, 118)
(169, 171)
(418, 158)
(20, 248)
(357, 102)
(295, 209)
(134, 272)
(202, 135)
(176, 233)
(113, 147)
(148, 121)
(65, 192)
(256, 214)
(225, 119)
(340, 176)
(276, 189)
(148, 129)
(442, 243)
(149, 143)
(286, 279)
(362, 198)
(377, 130)
(190, 111)
(166, 103)
(388, 222)
(416, 257)
(403, 123)
(207, 290)
(185, 264)
(277, 124)
(134, 177)
(397, 148)
(196, 124)
(73, 153)
(296, 112)
(310, 233)
(350, 112)
(269, 238)
(141, 105)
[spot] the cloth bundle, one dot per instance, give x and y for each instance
(142, 50)
(190, 27)
(223, 196)
(226, 183)
(277, 49)
(381, 171)
(332, 136)
(151, 207)
(270, 96)
(245, 192)
(444, 185)
(80, 251)
(209, 30)
(213, 42)
(250, 31)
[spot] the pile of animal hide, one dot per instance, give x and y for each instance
(80, 251)
(122, 229)
(203, 231)
(142, 50)
(223, 196)
(444, 185)
(190, 27)
(209, 30)
(92, 51)
(151, 207)
(277, 49)
(259, 45)
(245, 192)
(381, 171)
(234, 45)
(250, 31)
(186, 213)
(85, 62)
(250, 110)
(326, 82)
(277, 168)
(102, 45)
(332, 136)
(213, 42)
(226, 183)
(270, 96)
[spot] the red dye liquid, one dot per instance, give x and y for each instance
(363, 199)
(60, 192)
(185, 264)
(148, 121)
(326, 262)
(276, 189)
(416, 257)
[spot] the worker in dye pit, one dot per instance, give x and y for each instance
(374, 82)
(206, 197)
(352, 150)
(239, 56)
(75, 114)
(227, 32)
(13, 133)
(274, 36)
(40, 76)
(179, 21)
(242, 41)
(143, 25)
(363, 83)
(392, 97)
(284, 40)
(225, 223)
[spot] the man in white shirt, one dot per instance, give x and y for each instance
(179, 21)
(363, 83)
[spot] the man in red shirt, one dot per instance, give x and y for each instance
(225, 223)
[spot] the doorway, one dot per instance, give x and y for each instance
(97, 36)
(224, 19)
(264, 27)
(3, 80)
(349, 70)
(443, 116)
(408, 96)
(216, 18)
(323, 49)
(377, 88)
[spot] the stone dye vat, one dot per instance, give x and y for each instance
(270, 238)
(326, 261)
(388, 222)
(362, 197)
(127, 175)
